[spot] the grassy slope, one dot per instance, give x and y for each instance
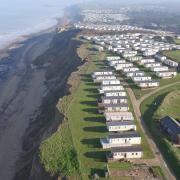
(177, 41)
(170, 106)
(86, 124)
(58, 155)
(148, 109)
(175, 55)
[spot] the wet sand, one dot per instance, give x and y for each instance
(21, 94)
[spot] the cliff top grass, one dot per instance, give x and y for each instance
(88, 126)
(84, 126)
(58, 155)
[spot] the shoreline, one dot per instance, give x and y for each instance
(17, 88)
(46, 122)
(14, 44)
(26, 91)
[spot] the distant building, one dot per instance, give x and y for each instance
(172, 127)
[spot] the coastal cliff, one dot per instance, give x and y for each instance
(59, 61)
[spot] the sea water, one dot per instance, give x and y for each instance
(23, 17)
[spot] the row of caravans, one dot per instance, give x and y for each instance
(129, 70)
(123, 140)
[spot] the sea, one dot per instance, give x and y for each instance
(24, 17)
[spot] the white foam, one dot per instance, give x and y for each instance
(7, 38)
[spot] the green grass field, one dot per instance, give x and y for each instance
(87, 125)
(175, 55)
(148, 109)
(177, 41)
(158, 172)
(57, 153)
(170, 106)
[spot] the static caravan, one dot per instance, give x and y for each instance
(126, 152)
(115, 126)
(166, 74)
(112, 87)
(101, 78)
(143, 61)
(127, 54)
(136, 73)
(141, 78)
(111, 58)
(118, 116)
(159, 68)
(114, 99)
(147, 84)
(149, 52)
(170, 62)
(115, 93)
(113, 63)
(123, 65)
(110, 82)
(104, 72)
(121, 139)
(130, 69)
(134, 58)
(121, 107)
(155, 64)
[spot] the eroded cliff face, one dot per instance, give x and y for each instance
(59, 61)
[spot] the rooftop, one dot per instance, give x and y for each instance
(114, 97)
(172, 124)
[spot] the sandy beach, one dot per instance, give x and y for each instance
(21, 93)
